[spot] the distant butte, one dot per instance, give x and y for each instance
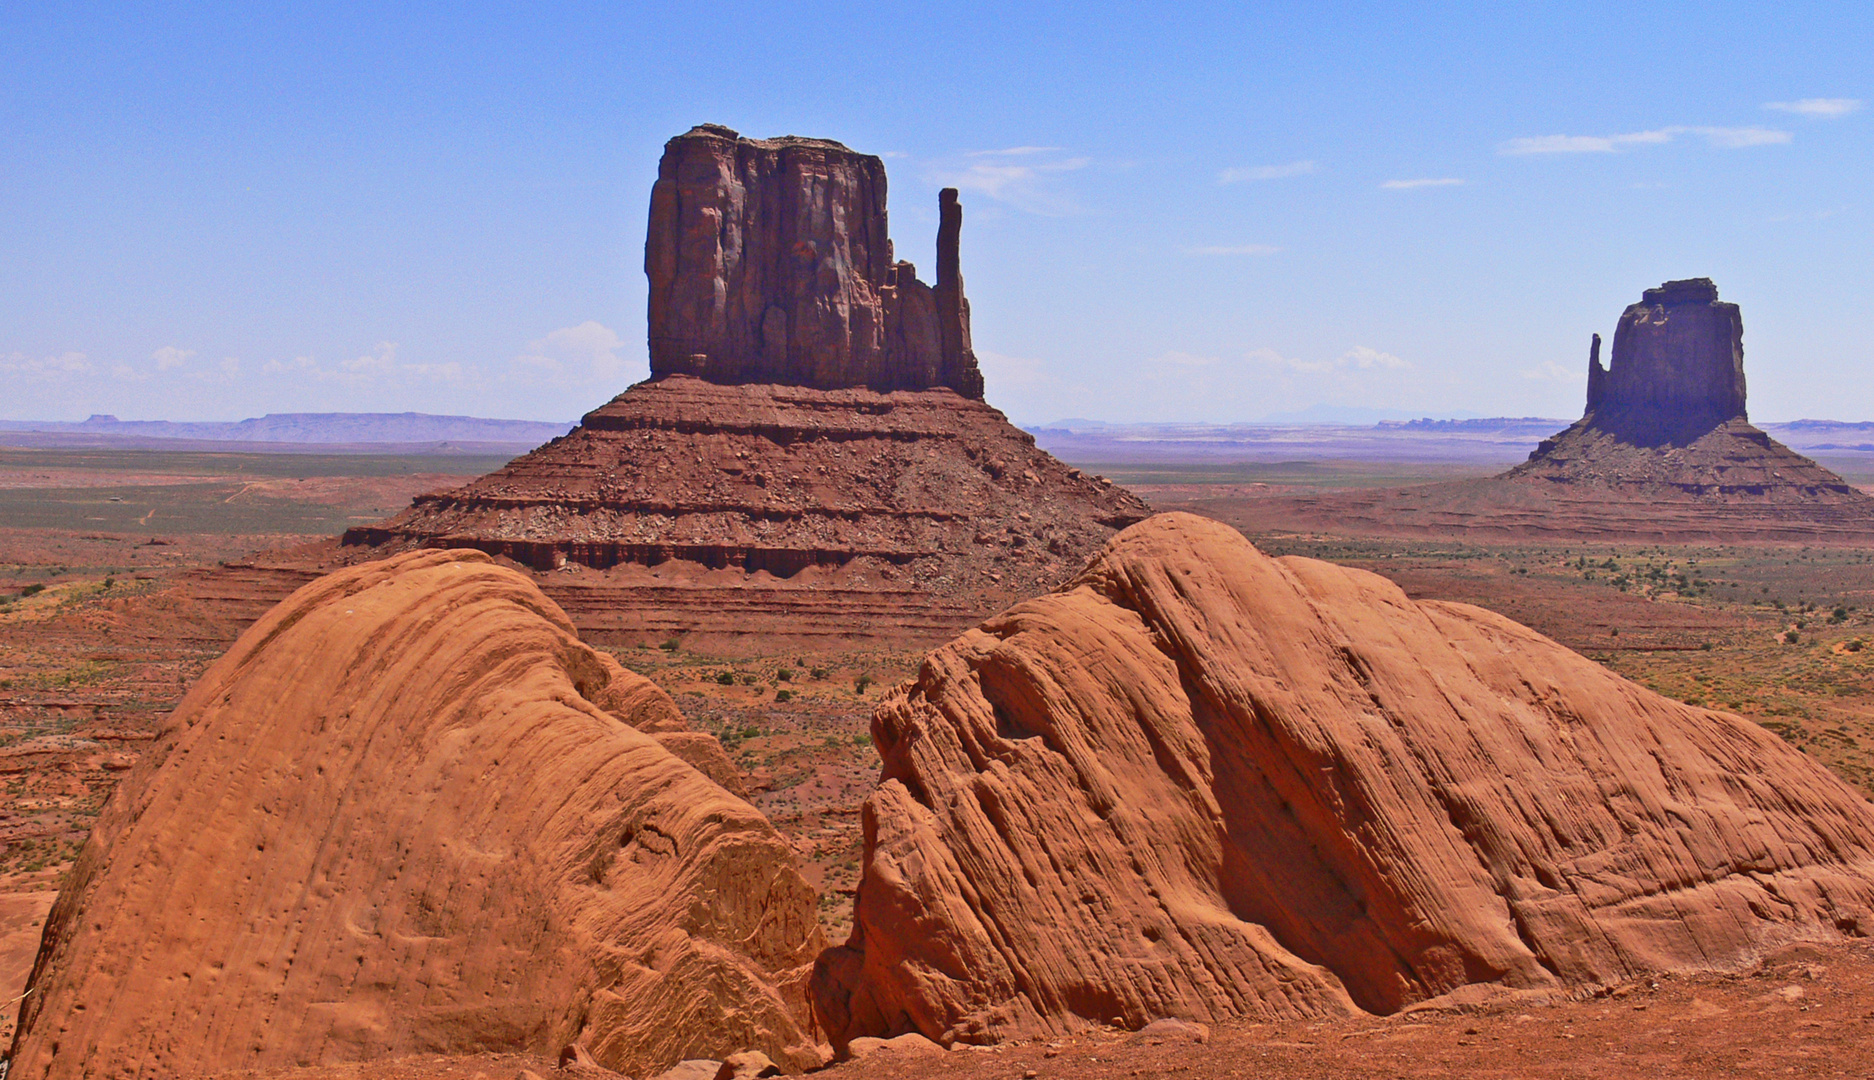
(1664, 451)
(811, 460)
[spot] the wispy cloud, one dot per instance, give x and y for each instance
(169, 357)
(1550, 371)
(1406, 185)
(1025, 177)
(1267, 172)
(1821, 108)
(1014, 151)
(589, 349)
(379, 367)
(1738, 138)
(44, 367)
(1721, 137)
(1234, 249)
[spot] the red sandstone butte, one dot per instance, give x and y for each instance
(410, 812)
(811, 459)
(1199, 783)
(1664, 451)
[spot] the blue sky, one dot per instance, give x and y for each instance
(211, 212)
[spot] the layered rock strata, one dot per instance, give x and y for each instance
(410, 812)
(1667, 417)
(1198, 782)
(811, 461)
(1664, 451)
(770, 261)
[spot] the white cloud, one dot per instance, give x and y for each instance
(1236, 249)
(1362, 358)
(1177, 385)
(44, 367)
(297, 363)
(1266, 172)
(1738, 138)
(1720, 137)
(1550, 371)
(1183, 360)
(169, 357)
(1024, 177)
(1406, 185)
(1832, 108)
(1015, 151)
(379, 367)
(381, 362)
(589, 349)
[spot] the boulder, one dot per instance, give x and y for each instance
(1198, 782)
(409, 811)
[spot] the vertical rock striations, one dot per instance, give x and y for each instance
(1678, 365)
(1666, 422)
(812, 457)
(770, 262)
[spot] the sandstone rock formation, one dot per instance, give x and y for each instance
(1198, 782)
(811, 458)
(1678, 365)
(1664, 451)
(1667, 416)
(770, 262)
(410, 812)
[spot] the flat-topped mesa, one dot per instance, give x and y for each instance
(770, 262)
(1677, 368)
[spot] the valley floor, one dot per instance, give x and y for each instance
(98, 641)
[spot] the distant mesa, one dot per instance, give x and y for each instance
(811, 458)
(1667, 415)
(1664, 450)
(1200, 783)
(410, 812)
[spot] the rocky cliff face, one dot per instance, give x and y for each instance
(1666, 424)
(770, 262)
(1678, 364)
(811, 461)
(409, 812)
(1198, 782)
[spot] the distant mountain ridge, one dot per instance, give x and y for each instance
(312, 428)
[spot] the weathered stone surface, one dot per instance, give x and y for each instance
(686, 506)
(1666, 420)
(770, 262)
(1198, 783)
(409, 811)
(1678, 365)
(810, 464)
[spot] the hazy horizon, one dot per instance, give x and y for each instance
(215, 214)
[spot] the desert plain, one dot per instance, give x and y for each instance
(107, 620)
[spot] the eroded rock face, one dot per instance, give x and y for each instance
(1678, 363)
(410, 812)
(770, 262)
(683, 505)
(1666, 427)
(1198, 782)
(811, 463)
